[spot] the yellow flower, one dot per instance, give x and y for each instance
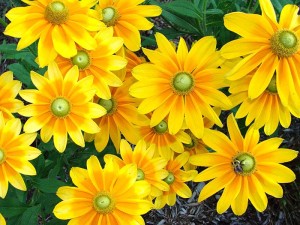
(59, 25)
(182, 84)
(166, 144)
(61, 106)
(122, 118)
(149, 167)
(176, 180)
(196, 146)
(128, 17)
(15, 151)
(243, 167)
(270, 46)
(99, 62)
(9, 89)
(2, 220)
(109, 195)
(266, 110)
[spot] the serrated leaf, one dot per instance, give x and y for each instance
(48, 185)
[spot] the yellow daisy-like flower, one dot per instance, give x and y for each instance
(182, 84)
(58, 24)
(166, 144)
(196, 146)
(176, 180)
(61, 106)
(9, 89)
(149, 167)
(243, 167)
(99, 62)
(109, 195)
(266, 110)
(270, 46)
(2, 220)
(15, 151)
(122, 118)
(128, 17)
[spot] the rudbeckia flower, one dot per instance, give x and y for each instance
(149, 167)
(166, 144)
(182, 84)
(266, 110)
(122, 118)
(15, 151)
(61, 105)
(127, 17)
(243, 167)
(100, 62)
(176, 180)
(102, 196)
(270, 46)
(59, 25)
(9, 89)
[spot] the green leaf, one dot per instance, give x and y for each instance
(183, 24)
(30, 216)
(184, 8)
(10, 211)
(48, 185)
(21, 73)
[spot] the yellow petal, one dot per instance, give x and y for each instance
(229, 194)
(248, 25)
(215, 185)
(72, 208)
(257, 194)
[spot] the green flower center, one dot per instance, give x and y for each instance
(284, 43)
(60, 107)
(2, 156)
(170, 178)
(81, 59)
(272, 85)
(140, 175)
(56, 13)
(103, 203)
(108, 104)
(161, 128)
(110, 16)
(183, 83)
(244, 164)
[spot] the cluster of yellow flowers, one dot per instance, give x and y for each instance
(96, 88)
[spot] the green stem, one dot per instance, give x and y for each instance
(3, 23)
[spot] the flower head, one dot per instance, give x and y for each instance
(9, 89)
(61, 106)
(176, 180)
(59, 25)
(128, 17)
(266, 110)
(270, 46)
(109, 195)
(15, 151)
(243, 167)
(150, 167)
(99, 62)
(122, 118)
(182, 84)
(166, 144)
